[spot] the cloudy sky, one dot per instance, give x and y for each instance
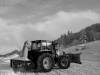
(22, 20)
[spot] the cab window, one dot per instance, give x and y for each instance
(46, 45)
(36, 46)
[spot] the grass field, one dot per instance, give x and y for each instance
(90, 51)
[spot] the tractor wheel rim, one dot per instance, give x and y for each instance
(64, 62)
(47, 63)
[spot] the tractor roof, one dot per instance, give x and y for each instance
(38, 41)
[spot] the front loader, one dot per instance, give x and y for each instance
(42, 55)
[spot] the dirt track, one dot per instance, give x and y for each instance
(86, 68)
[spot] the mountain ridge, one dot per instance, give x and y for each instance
(11, 53)
(88, 34)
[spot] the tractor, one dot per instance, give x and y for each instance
(43, 55)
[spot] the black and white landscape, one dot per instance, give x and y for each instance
(65, 21)
(90, 59)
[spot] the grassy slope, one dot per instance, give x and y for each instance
(90, 51)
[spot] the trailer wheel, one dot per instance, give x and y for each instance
(63, 62)
(45, 62)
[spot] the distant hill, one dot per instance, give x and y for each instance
(91, 32)
(11, 53)
(90, 51)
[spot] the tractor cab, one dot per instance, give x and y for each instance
(41, 45)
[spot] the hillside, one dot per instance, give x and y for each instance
(11, 53)
(5, 58)
(89, 33)
(90, 51)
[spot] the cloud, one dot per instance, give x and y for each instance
(7, 6)
(63, 21)
(4, 9)
(10, 2)
(9, 37)
(13, 36)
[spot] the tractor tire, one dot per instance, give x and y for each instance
(45, 62)
(63, 62)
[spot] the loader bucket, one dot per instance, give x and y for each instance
(75, 58)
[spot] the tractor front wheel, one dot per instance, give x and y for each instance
(63, 62)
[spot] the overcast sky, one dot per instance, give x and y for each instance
(22, 20)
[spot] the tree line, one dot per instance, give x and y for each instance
(89, 34)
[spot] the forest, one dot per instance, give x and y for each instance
(88, 34)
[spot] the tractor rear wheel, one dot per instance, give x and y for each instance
(45, 62)
(63, 62)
